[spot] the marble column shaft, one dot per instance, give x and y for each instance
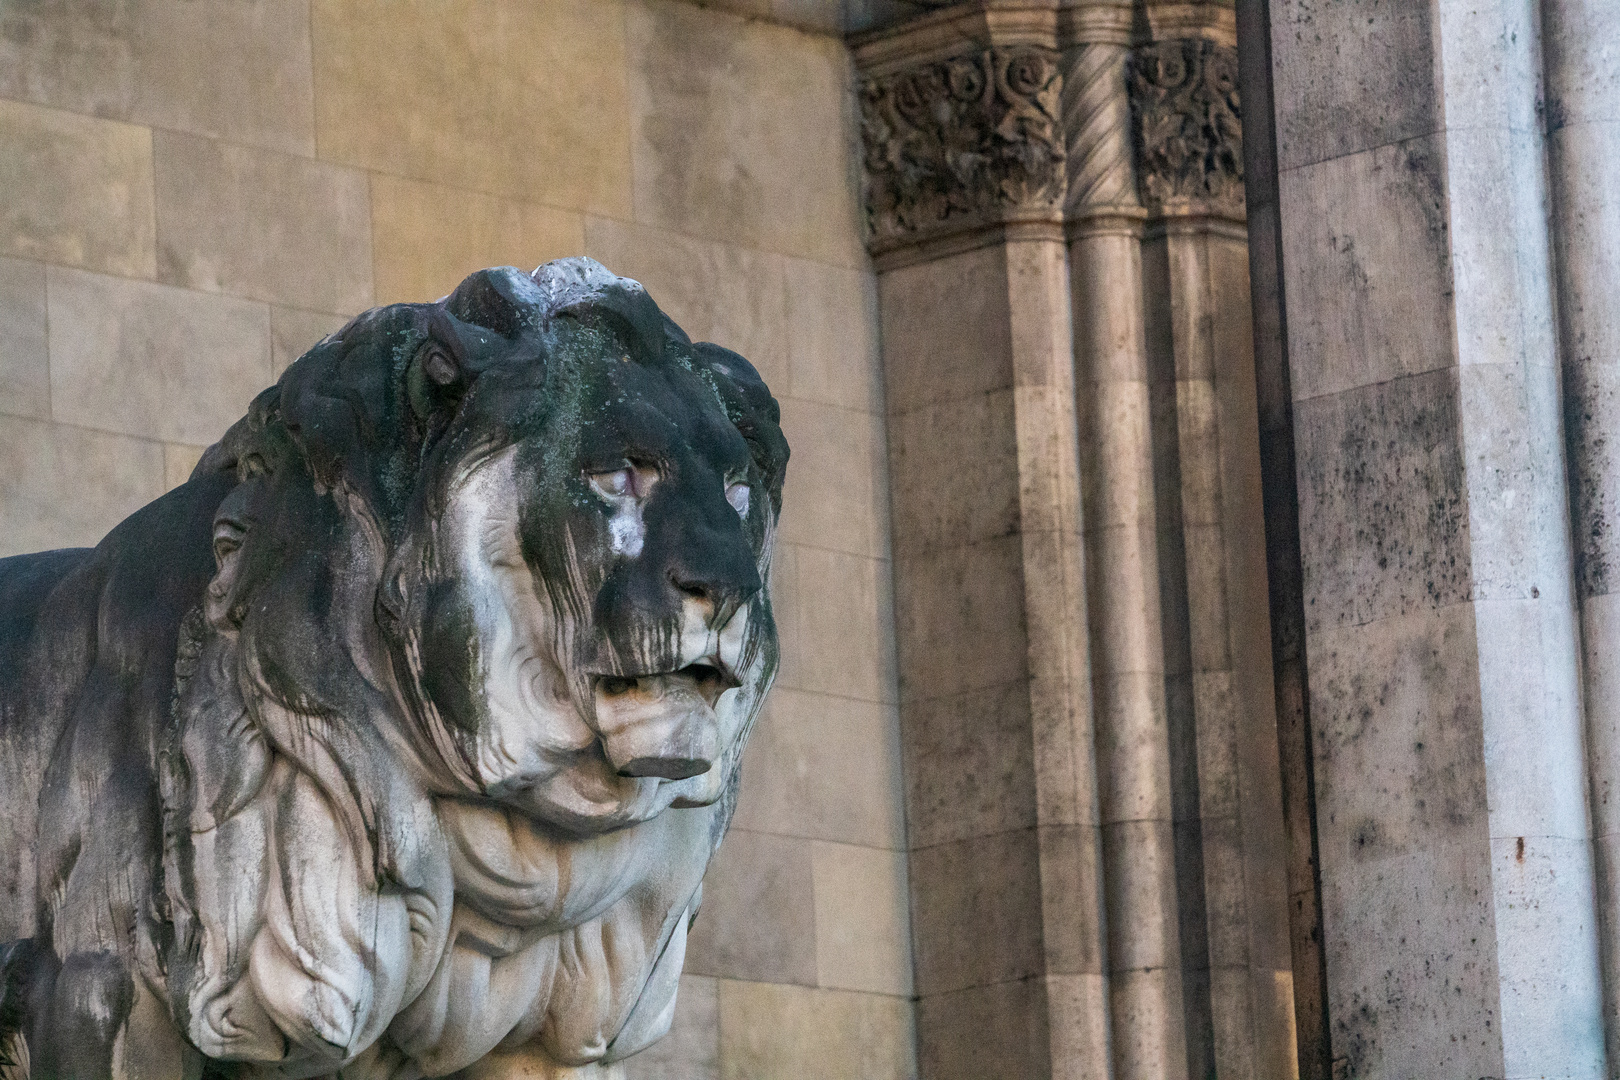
(1582, 88)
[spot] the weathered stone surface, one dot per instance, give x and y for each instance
(505, 844)
(262, 225)
(427, 237)
(76, 191)
(113, 475)
(495, 96)
(759, 915)
(124, 351)
(862, 927)
(241, 74)
(773, 1032)
(25, 375)
(738, 137)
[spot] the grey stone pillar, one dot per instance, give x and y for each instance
(1583, 145)
(1442, 632)
(964, 158)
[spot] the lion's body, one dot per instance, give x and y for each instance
(401, 734)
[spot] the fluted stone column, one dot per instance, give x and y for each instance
(1582, 87)
(964, 158)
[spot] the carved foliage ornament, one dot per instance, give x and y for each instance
(964, 141)
(1189, 128)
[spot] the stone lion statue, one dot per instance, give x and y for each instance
(395, 742)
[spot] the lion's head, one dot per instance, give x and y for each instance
(490, 599)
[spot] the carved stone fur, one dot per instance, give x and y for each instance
(401, 734)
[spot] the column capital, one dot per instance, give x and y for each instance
(1188, 122)
(962, 137)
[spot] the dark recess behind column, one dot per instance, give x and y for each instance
(1284, 569)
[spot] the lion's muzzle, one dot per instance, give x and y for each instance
(662, 725)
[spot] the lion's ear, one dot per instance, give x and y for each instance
(437, 378)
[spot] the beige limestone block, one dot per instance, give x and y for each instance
(976, 911)
(178, 461)
(835, 496)
(824, 767)
(123, 353)
(744, 132)
(240, 72)
(514, 97)
(76, 190)
(691, 1050)
(843, 641)
(928, 359)
(724, 293)
(771, 1032)
(863, 926)
(262, 225)
(832, 336)
(960, 612)
(25, 374)
(999, 1031)
(1369, 294)
(969, 764)
(63, 486)
(954, 472)
(427, 237)
(294, 331)
(758, 919)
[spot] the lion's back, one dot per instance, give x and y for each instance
(30, 597)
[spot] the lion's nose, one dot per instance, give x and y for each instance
(722, 595)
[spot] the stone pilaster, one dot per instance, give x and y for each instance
(965, 180)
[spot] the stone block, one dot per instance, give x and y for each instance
(691, 1050)
(844, 640)
(835, 496)
(1124, 602)
(960, 612)
(1384, 516)
(109, 478)
(826, 768)
(1415, 1010)
(25, 374)
(1400, 754)
(1149, 1026)
(758, 919)
(124, 352)
(427, 237)
(1116, 474)
(1077, 1009)
(262, 225)
(1369, 291)
(742, 131)
(730, 295)
(1002, 1031)
(1535, 769)
(929, 359)
(954, 467)
(241, 74)
(1552, 1013)
(178, 461)
(770, 1032)
(1490, 64)
(976, 912)
(77, 191)
(293, 332)
(1133, 750)
(516, 98)
(1072, 901)
(832, 324)
(970, 767)
(825, 16)
(1349, 77)
(863, 924)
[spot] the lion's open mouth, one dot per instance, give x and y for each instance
(662, 724)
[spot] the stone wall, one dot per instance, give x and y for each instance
(190, 196)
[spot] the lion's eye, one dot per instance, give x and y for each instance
(737, 496)
(632, 481)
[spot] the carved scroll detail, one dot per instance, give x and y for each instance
(956, 143)
(1188, 127)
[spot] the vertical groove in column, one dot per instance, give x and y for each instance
(1583, 144)
(1284, 562)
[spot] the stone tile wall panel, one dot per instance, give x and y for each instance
(25, 374)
